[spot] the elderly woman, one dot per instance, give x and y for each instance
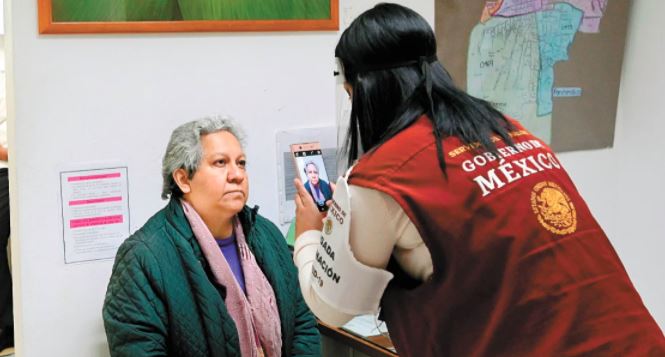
(206, 275)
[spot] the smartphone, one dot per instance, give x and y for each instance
(312, 172)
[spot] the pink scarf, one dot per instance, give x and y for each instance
(255, 314)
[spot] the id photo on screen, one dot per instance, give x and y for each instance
(315, 178)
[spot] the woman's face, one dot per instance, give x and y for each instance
(220, 186)
(312, 174)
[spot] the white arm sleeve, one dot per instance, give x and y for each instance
(304, 253)
(377, 223)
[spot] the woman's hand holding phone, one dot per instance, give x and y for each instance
(308, 216)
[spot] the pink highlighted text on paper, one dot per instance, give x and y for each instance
(95, 200)
(95, 221)
(93, 177)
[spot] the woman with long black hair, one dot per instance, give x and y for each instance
(455, 221)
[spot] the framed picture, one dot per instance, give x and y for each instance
(124, 16)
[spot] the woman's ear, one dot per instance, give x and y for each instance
(182, 180)
(349, 89)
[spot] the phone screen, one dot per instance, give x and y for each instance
(312, 172)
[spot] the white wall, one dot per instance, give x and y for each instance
(117, 97)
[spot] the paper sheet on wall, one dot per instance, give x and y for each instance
(95, 212)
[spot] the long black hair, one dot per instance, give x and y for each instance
(388, 56)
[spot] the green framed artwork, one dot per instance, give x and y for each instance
(122, 16)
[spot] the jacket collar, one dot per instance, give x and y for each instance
(176, 218)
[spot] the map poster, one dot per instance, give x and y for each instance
(554, 65)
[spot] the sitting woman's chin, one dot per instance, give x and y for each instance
(235, 202)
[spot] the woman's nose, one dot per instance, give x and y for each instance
(236, 174)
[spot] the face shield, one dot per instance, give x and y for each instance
(338, 72)
(343, 99)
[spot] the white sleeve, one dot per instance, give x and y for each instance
(376, 224)
(304, 253)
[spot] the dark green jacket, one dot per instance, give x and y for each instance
(162, 299)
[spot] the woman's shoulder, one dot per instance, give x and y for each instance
(151, 240)
(264, 237)
(266, 228)
(400, 149)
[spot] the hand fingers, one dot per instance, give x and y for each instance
(298, 201)
(303, 195)
(333, 186)
(307, 213)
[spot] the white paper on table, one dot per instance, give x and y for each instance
(366, 325)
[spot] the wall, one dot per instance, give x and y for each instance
(82, 98)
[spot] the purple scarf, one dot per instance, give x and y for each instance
(255, 315)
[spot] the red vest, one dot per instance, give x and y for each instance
(521, 268)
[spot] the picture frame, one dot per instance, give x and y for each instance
(69, 16)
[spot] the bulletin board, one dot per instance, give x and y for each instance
(554, 65)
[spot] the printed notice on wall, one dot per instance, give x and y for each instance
(95, 213)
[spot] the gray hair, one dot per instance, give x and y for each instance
(310, 162)
(184, 150)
